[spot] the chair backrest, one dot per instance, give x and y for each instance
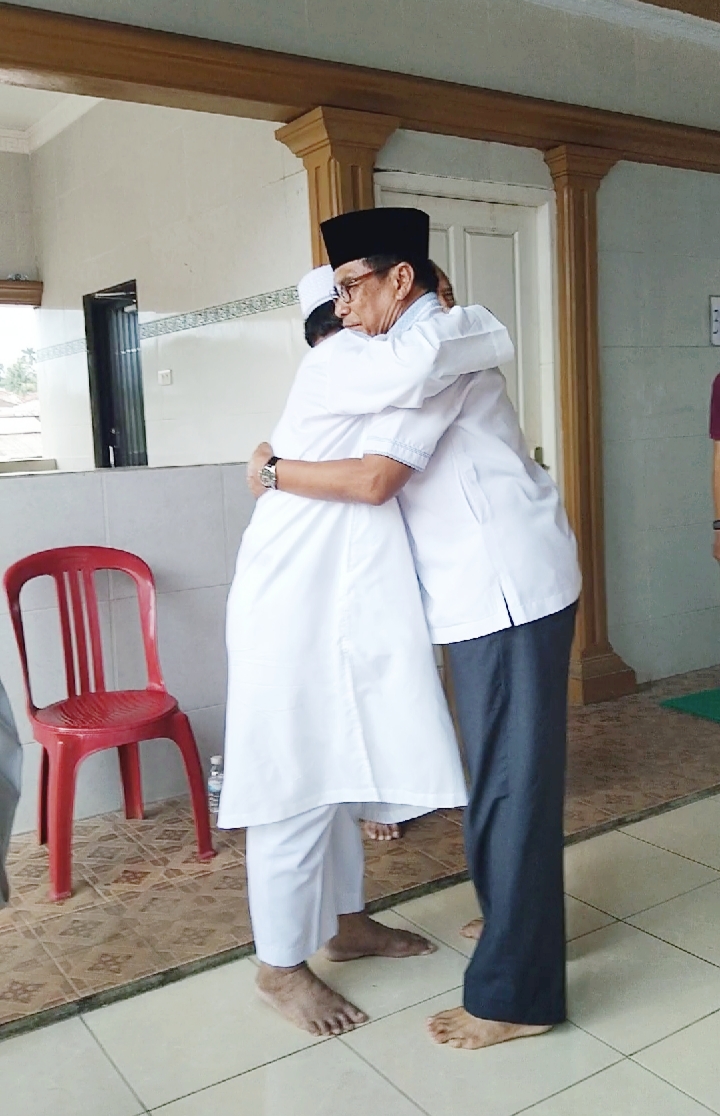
(73, 569)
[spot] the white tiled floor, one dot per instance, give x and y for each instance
(642, 1039)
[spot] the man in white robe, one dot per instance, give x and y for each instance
(335, 710)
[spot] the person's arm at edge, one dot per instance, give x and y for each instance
(715, 435)
(716, 497)
(371, 479)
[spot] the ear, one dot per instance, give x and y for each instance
(404, 280)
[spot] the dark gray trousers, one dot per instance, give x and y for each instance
(511, 695)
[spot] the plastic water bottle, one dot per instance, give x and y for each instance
(214, 783)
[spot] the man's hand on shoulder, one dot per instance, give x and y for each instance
(260, 457)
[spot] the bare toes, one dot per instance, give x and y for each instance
(414, 943)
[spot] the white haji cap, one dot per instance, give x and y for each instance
(315, 288)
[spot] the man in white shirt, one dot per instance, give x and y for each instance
(335, 710)
(497, 564)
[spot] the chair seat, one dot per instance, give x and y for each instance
(115, 709)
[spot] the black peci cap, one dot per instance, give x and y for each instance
(377, 232)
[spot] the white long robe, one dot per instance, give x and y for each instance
(333, 692)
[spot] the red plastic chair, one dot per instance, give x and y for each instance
(92, 718)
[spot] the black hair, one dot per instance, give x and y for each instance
(321, 323)
(425, 273)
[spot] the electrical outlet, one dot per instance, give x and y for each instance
(165, 377)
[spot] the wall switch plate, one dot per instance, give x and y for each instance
(165, 374)
(715, 320)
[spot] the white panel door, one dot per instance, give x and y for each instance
(490, 253)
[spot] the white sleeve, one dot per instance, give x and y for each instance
(411, 436)
(405, 369)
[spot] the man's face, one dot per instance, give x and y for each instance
(377, 300)
(445, 293)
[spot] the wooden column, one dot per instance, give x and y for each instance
(597, 673)
(338, 148)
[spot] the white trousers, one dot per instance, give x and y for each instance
(303, 873)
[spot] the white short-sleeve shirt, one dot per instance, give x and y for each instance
(490, 538)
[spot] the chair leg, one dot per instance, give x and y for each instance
(129, 756)
(61, 799)
(43, 798)
(183, 736)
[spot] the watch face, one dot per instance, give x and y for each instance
(267, 476)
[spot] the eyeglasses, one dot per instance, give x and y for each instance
(343, 292)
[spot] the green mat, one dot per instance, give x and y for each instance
(706, 704)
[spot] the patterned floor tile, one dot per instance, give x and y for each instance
(34, 902)
(30, 980)
(196, 919)
(395, 869)
(114, 957)
(142, 902)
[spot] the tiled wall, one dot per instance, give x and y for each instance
(201, 210)
(514, 45)
(659, 239)
(17, 247)
(186, 523)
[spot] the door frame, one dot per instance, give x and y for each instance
(542, 201)
(100, 390)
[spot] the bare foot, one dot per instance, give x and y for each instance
(305, 1000)
(360, 936)
(460, 1029)
(473, 929)
(381, 831)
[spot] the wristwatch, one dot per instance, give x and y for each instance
(268, 476)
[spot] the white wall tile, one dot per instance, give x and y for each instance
(209, 728)
(17, 244)
(26, 813)
(173, 518)
(238, 505)
(673, 496)
(667, 645)
(683, 574)
(44, 511)
(624, 298)
(191, 639)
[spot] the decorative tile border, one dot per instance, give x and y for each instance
(68, 348)
(194, 319)
(243, 308)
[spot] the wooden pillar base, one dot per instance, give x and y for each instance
(600, 675)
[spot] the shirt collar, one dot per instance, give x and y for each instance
(413, 313)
